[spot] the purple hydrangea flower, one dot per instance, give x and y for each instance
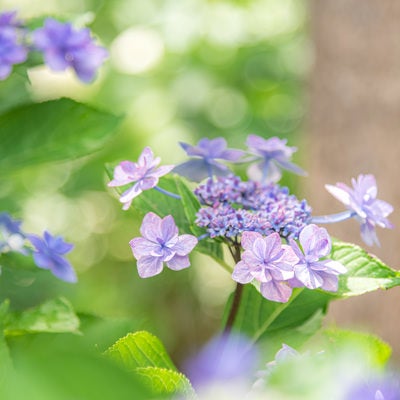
(367, 209)
(270, 262)
(12, 51)
(386, 388)
(204, 165)
(233, 206)
(310, 270)
(11, 236)
(161, 244)
(64, 47)
(225, 358)
(273, 155)
(144, 173)
(49, 255)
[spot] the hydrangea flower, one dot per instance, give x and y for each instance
(225, 358)
(49, 253)
(385, 388)
(366, 208)
(270, 262)
(310, 270)
(204, 165)
(12, 51)
(159, 244)
(232, 206)
(273, 155)
(64, 47)
(11, 236)
(144, 174)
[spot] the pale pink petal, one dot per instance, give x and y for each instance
(142, 247)
(185, 244)
(307, 276)
(151, 227)
(130, 194)
(149, 266)
(315, 241)
(330, 282)
(178, 262)
(169, 230)
(276, 291)
(241, 273)
(248, 239)
(342, 193)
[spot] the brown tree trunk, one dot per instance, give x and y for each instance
(353, 128)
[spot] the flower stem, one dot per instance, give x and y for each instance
(236, 254)
(163, 191)
(330, 219)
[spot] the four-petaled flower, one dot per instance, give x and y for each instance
(161, 244)
(367, 209)
(49, 255)
(144, 173)
(12, 51)
(204, 165)
(270, 262)
(311, 271)
(273, 155)
(64, 47)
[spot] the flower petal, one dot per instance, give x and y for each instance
(149, 266)
(178, 262)
(241, 273)
(276, 291)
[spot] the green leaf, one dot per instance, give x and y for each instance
(275, 323)
(163, 380)
(375, 350)
(365, 272)
(143, 353)
(55, 316)
(52, 131)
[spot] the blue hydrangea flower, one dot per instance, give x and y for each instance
(232, 206)
(49, 253)
(366, 208)
(272, 156)
(144, 174)
(312, 270)
(12, 51)
(11, 236)
(268, 261)
(205, 164)
(159, 244)
(65, 47)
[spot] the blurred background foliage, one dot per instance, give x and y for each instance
(178, 71)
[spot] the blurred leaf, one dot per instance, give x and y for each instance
(55, 316)
(376, 351)
(143, 353)
(52, 131)
(365, 273)
(273, 323)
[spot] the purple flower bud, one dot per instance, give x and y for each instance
(144, 173)
(270, 262)
(204, 164)
(159, 244)
(273, 155)
(63, 47)
(49, 255)
(310, 270)
(12, 51)
(367, 209)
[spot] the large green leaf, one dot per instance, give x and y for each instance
(52, 131)
(142, 353)
(53, 316)
(365, 272)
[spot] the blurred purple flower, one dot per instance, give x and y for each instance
(270, 262)
(226, 358)
(11, 50)
(144, 173)
(387, 388)
(367, 209)
(48, 255)
(273, 155)
(207, 151)
(64, 47)
(311, 271)
(160, 243)
(11, 236)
